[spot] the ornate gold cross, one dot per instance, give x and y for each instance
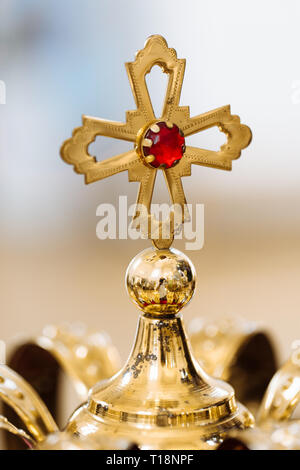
(158, 143)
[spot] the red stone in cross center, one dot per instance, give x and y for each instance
(163, 145)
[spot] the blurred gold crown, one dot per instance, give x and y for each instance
(170, 394)
(32, 386)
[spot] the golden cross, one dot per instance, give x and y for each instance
(159, 143)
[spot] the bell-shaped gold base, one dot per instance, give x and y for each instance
(161, 398)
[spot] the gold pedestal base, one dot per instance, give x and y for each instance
(161, 398)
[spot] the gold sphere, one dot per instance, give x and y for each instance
(161, 281)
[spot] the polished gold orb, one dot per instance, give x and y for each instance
(161, 281)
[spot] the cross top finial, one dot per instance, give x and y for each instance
(159, 143)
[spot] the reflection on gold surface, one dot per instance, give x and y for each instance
(160, 281)
(161, 398)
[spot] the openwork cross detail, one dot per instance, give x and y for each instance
(159, 144)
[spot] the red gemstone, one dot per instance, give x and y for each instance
(167, 146)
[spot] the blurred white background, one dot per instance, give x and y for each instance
(62, 59)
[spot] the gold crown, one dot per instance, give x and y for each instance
(169, 394)
(231, 349)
